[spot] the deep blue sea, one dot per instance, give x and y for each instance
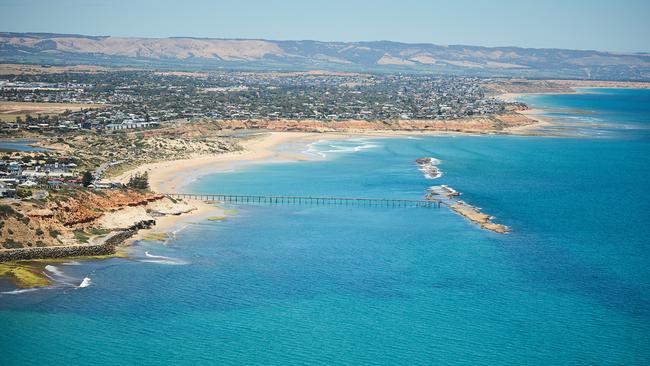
(283, 285)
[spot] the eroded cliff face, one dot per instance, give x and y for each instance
(73, 217)
(480, 124)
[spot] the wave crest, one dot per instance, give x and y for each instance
(159, 259)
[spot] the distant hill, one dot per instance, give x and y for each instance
(204, 53)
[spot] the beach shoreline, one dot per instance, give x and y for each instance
(172, 176)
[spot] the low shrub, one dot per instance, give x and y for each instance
(12, 244)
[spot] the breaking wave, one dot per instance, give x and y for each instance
(86, 282)
(159, 259)
(54, 270)
(63, 280)
(322, 148)
(58, 277)
(442, 192)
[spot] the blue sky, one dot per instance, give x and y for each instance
(622, 25)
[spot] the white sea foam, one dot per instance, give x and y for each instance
(429, 167)
(174, 232)
(20, 291)
(57, 276)
(313, 150)
(319, 149)
(86, 282)
(159, 259)
(54, 270)
(443, 191)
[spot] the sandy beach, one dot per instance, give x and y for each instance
(172, 176)
(170, 223)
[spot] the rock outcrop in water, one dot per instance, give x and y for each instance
(449, 197)
(429, 166)
(441, 192)
(475, 215)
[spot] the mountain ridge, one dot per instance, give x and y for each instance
(378, 56)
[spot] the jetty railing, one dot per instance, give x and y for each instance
(307, 200)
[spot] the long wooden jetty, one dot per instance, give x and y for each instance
(306, 200)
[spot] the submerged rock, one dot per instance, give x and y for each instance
(442, 191)
(475, 215)
(449, 197)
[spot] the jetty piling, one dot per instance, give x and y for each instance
(310, 200)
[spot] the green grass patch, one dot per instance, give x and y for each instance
(23, 276)
(156, 236)
(81, 236)
(9, 243)
(98, 231)
(216, 218)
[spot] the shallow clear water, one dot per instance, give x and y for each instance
(354, 285)
(20, 145)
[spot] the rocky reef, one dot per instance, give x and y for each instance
(429, 167)
(475, 215)
(448, 196)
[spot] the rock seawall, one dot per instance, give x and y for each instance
(106, 246)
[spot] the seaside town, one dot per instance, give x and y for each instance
(141, 99)
(144, 115)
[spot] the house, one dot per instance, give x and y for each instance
(6, 192)
(131, 124)
(28, 183)
(55, 183)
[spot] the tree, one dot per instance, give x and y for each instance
(139, 181)
(23, 193)
(87, 178)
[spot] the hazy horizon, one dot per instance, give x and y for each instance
(602, 25)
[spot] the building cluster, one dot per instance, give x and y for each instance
(143, 99)
(30, 171)
(27, 170)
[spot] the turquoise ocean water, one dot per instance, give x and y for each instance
(19, 145)
(347, 285)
